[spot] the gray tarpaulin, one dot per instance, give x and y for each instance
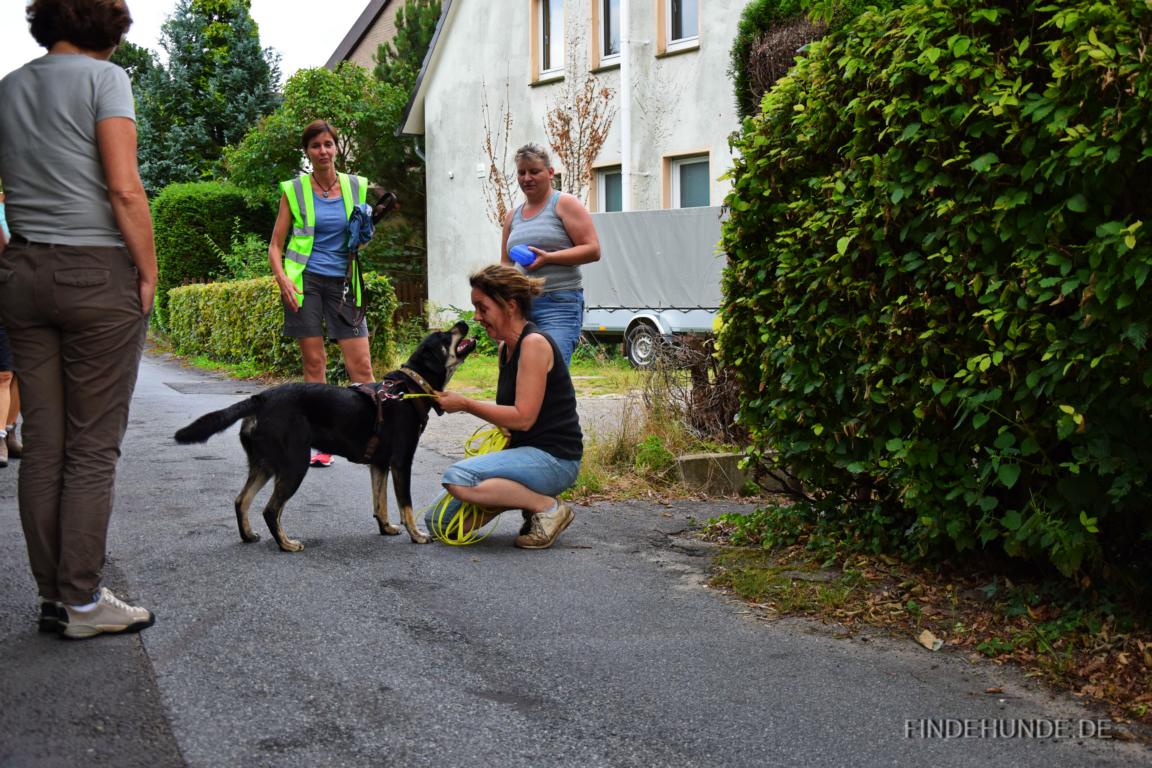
(656, 259)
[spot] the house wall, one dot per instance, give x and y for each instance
(682, 103)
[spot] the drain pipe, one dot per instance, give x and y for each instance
(625, 107)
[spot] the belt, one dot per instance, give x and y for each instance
(21, 240)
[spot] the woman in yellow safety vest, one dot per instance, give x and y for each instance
(311, 272)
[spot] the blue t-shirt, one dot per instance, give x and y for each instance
(329, 256)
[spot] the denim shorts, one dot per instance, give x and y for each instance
(533, 468)
(322, 296)
(560, 314)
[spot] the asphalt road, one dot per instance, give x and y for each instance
(364, 650)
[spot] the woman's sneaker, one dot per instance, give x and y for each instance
(545, 527)
(110, 616)
(321, 459)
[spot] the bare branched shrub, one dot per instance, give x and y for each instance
(774, 52)
(577, 126)
(687, 382)
(500, 189)
(578, 120)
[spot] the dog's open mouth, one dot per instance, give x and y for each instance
(465, 346)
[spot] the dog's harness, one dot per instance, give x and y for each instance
(396, 385)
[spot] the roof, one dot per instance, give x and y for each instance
(412, 121)
(355, 35)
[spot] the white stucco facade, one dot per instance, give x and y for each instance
(682, 104)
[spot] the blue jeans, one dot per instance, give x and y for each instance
(533, 468)
(560, 314)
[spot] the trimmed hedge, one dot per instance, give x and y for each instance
(240, 322)
(937, 296)
(184, 214)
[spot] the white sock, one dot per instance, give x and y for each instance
(555, 506)
(3, 434)
(85, 608)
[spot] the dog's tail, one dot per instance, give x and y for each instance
(210, 423)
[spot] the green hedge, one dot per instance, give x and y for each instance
(937, 297)
(240, 322)
(183, 215)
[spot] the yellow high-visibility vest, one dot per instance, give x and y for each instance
(298, 192)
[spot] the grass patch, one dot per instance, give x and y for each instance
(607, 376)
(243, 370)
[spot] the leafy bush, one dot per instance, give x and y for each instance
(240, 322)
(937, 261)
(184, 214)
(246, 257)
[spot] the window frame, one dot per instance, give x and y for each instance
(600, 25)
(672, 165)
(541, 40)
(599, 195)
(665, 43)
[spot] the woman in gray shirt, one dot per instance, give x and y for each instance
(77, 281)
(558, 230)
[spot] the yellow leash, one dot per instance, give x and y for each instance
(466, 524)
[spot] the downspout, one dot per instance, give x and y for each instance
(625, 107)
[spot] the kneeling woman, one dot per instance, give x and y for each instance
(536, 406)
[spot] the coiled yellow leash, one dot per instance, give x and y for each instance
(466, 524)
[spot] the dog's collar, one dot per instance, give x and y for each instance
(419, 381)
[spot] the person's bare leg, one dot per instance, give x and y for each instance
(357, 359)
(500, 493)
(315, 359)
(13, 402)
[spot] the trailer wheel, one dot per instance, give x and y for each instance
(641, 344)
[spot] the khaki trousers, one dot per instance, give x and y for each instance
(74, 319)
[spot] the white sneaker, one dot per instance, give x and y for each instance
(545, 527)
(110, 616)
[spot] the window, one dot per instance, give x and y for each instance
(550, 27)
(679, 27)
(681, 20)
(609, 29)
(609, 192)
(690, 182)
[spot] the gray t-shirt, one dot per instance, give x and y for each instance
(546, 231)
(49, 159)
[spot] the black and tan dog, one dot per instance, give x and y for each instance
(376, 424)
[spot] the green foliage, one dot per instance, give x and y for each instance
(936, 295)
(398, 60)
(240, 322)
(246, 256)
(651, 455)
(349, 98)
(184, 215)
(138, 62)
(217, 83)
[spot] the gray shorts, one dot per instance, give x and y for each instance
(321, 301)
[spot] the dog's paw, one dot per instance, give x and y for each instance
(419, 537)
(291, 545)
(387, 529)
(250, 538)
